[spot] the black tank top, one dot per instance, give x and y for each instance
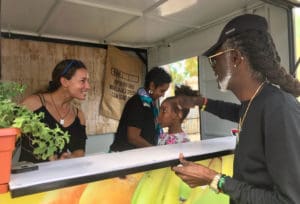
(76, 130)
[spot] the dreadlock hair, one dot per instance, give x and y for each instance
(181, 90)
(259, 48)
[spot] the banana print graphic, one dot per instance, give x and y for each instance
(162, 186)
(149, 186)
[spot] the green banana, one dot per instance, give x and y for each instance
(210, 197)
(184, 191)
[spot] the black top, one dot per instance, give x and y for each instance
(135, 114)
(76, 130)
(266, 163)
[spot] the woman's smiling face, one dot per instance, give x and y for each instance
(159, 91)
(78, 85)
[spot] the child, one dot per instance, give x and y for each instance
(171, 115)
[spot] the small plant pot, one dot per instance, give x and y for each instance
(7, 145)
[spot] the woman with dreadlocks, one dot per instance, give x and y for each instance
(266, 164)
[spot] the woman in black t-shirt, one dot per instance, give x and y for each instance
(138, 125)
(69, 81)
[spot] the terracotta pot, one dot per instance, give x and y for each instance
(7, 145)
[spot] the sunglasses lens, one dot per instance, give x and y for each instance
(212, 61)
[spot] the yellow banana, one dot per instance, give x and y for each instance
(171, 192)
(166, 184)
(149, 186)
(227, 164)
(216, 164)
(162, 186)
(195, 194)
(210, 197)
(108, 191)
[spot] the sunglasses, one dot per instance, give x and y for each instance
(212, 59)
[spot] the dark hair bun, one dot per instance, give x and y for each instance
(185, 90)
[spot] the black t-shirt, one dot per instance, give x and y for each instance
(136, 114)
(77, 137)
(266, 163)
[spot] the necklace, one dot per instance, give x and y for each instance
(241, 121)
(62, 118)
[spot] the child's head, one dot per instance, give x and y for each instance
(170, 112)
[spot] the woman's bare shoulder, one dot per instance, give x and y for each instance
(32, 102)
(77, 109)
(81, 117)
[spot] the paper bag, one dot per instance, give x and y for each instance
(123, 76)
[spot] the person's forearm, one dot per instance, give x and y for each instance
(78, 153)
(139, 141)
(222, 109)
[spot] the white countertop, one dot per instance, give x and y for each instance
(62, 173)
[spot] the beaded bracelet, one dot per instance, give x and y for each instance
(221, 182)
(204, 104)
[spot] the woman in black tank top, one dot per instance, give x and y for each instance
(69, 81)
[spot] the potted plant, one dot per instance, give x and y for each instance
(16, 120)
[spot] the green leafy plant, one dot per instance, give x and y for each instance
(46, 141)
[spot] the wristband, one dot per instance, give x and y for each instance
(204, 104)
(214, 183)
(221, 182)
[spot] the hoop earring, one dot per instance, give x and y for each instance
(150, 91)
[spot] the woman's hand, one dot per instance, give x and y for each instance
(135, 138)
(68, 155)
(65, 155)
(193, 174)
